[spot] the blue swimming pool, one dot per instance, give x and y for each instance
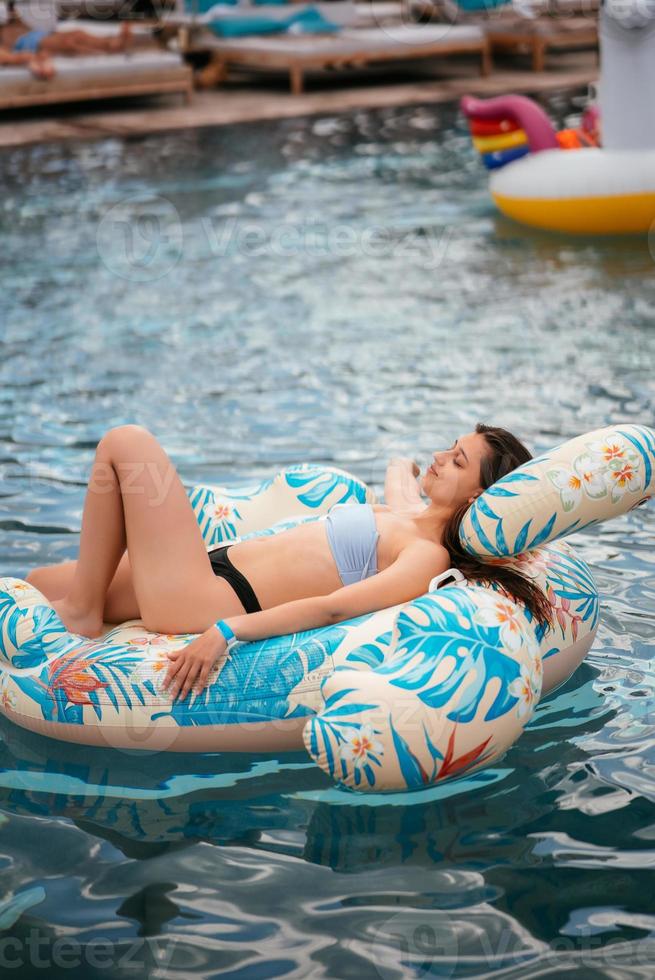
(336, 289)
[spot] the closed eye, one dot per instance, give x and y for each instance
(462, 452)
(456, 463)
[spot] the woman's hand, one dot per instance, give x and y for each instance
(411, 464)
(401, 488)
(191, 664)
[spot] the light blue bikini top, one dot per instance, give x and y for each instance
(353, 540)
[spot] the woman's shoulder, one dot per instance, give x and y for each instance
(432, 557)
(400, 536)
(409, 511)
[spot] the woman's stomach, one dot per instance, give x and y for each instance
(293, 564)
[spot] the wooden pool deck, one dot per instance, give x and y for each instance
(246, 99)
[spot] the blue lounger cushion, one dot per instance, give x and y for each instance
(308, 21)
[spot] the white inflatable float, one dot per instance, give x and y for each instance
(395, 700)
(597, 190)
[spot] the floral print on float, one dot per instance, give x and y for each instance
(461, 680)
(586, 480)
(465, 661)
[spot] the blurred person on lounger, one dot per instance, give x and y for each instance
(20, 44)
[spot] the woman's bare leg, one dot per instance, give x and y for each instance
(81, 42)
(102, 543)
(54, 581)
(39, 64)
(136, 499)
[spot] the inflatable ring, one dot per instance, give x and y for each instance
(609, 190)
(393, 700)
(499, 158)
(506, 141)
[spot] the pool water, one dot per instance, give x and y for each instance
(338, 290)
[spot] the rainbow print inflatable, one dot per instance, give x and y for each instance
(564, 181)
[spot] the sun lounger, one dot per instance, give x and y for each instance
(543, 34)
(145, 70)
(378, 12)
(562, 8)
(152, 72)
(345, 13)
(532, 26)
(349, 48)
(491, 11)
(341, 12)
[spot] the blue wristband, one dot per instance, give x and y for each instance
(223, 628)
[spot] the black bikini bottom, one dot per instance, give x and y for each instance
(224, 568)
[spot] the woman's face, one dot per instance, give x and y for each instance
(453, 477)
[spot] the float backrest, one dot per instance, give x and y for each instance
(299, 492)
(589, 479)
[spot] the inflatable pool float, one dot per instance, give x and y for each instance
(147, 803)
(393, 700)
(562, 181)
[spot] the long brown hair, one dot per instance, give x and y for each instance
(506, 452)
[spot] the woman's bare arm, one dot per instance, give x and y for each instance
(401, 490)
(289, 617)
(407, 578)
